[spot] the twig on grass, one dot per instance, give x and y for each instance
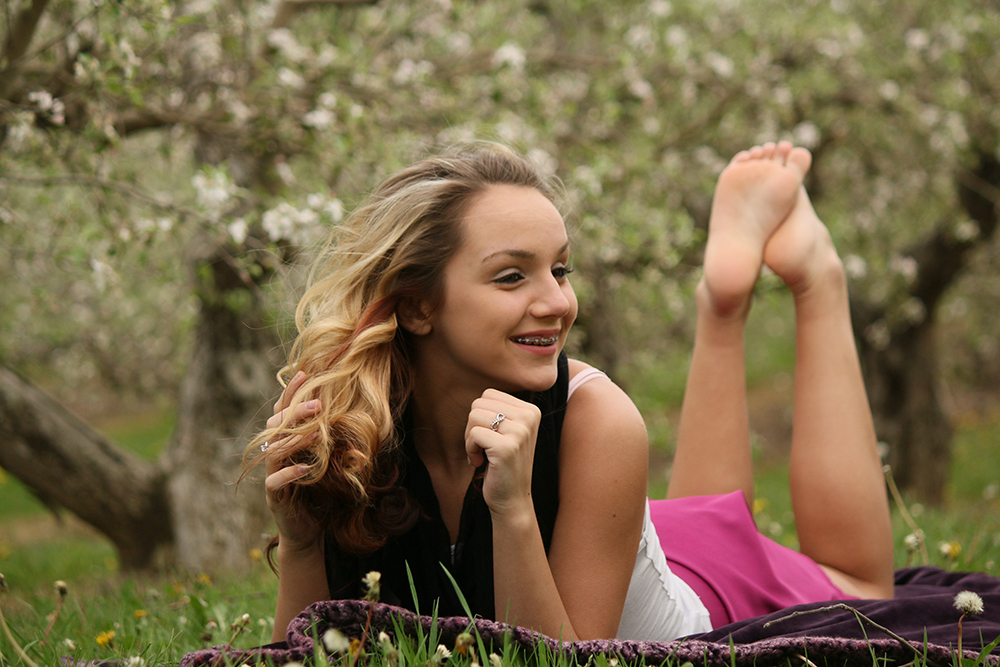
(861, 617)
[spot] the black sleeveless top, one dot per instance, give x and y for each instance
(426, 546)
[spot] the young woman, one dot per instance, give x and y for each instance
(432, 422)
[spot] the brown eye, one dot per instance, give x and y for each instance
(510, 278)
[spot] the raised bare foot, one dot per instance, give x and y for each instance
(756, 191)
(801, 247)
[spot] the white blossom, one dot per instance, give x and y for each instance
(285, 222)
(660, 8)
(410, 70)
(214, 190)
(855, 266)
(285, 43)
(888, 90)
(641, 89)
(238, 230)
(830, 48)
(205, 50)
(966, 231)
(720, 64)
(917, 39)
(52, 107)
(510, 54)
(905, 266)
(807, 134)
(319, 118)
(290, 79)
(459, 43)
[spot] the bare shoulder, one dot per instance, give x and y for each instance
(601, 416)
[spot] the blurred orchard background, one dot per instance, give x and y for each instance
(165, 166)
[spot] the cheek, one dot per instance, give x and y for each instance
(574, 306)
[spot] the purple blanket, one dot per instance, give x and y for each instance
(922, 613)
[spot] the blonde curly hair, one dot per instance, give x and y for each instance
(390, 251)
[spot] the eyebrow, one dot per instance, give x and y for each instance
(520, 254)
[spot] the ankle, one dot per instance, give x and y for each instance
(825, 283)
(731, 311)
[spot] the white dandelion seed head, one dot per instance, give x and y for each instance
(968, 602)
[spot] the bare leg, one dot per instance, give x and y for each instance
(838, 492)
(755, 193)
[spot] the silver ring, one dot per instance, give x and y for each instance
(496, 422)
(263, 448)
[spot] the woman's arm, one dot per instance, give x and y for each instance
(301, 582)
(301, 566)
(578, 591)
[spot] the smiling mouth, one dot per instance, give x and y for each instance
(540, 341)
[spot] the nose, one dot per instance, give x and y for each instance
(552, 301)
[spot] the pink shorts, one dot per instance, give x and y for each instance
(712, 543)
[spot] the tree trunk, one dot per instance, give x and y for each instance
(901, 380)
(225, 399)
(901, 375)
(60, 457)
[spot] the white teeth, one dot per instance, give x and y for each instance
(535, 340)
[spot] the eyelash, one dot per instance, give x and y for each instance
(515, 277)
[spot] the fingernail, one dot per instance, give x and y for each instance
(302, 469)
(299, 375)
(311, 405)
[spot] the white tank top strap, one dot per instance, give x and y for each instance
(581, 378)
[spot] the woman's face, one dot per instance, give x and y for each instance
(507, 304)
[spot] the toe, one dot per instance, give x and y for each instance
(782, 151)
(801, 158)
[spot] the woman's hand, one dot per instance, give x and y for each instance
(297, 531)
(507, 444)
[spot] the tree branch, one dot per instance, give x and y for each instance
(61, 457)
(19, 37)
(289, 9)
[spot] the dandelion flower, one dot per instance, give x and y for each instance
(463, 643)
(372, 582)
(495, 660)
(335, 641)
(106, 638)
(912, 542)
(61, 588)
(968, 602)
(140, 613)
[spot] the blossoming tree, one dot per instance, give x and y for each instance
(165, 164)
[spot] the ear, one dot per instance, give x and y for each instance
(414, 316)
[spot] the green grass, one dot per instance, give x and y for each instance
(164, 616)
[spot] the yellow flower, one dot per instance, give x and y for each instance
(140, 613)
(203, 579)
(256, 554)
(106, 638)
(950, 550)
(759, 505)
(463, 643)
